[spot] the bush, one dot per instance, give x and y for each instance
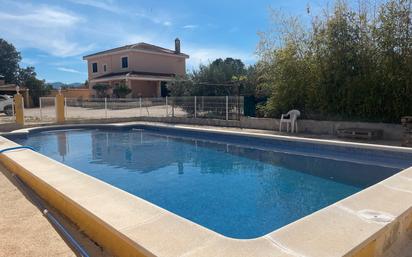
(101, 90)
(121, 91)
(353, 65)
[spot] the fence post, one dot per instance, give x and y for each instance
(227, 107)
(59, 102)
(65, 107)
(173, 108)
(167, 109)
(41, 111)
(19, 105)
(195, 106)
(12, 109)
(105, 107)
(140, 106)
(238, 107)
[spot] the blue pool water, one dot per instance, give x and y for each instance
(235, 188)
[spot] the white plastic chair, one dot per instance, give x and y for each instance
(292, 120)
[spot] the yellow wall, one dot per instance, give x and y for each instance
(73, 93)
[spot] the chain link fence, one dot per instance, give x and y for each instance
(212, 107)
(207, 107)
(5, 116)
(46, 112)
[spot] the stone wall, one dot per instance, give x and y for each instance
(390, 131)
(407, 131)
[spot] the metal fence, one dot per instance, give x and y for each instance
(8, 119)
(212, 107)
(46, 110)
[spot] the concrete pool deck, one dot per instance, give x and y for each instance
(5, 128)
(370, 223)
(24, 231)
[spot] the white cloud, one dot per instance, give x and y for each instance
(190, 26)
(41, 17)
(157, 17)
(42, 27)
(154, 17)
(107, 5)
(134, 38)
(28, 61)
(70, 70)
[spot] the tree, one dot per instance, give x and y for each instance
(392, 34)
(101, 90)
(349, 64)
(9, 61)
(222, 77)
(181, 86)
(37, 88)
(9, 67)
(24, 74)
(121, 91)
(215, 79)
(218, 78)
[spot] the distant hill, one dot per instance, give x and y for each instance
(58, 85)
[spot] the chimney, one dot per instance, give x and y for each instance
(177, 46)
(2, 81)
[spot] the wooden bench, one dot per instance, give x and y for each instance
(359, 133)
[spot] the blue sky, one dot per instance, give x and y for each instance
(54, 35)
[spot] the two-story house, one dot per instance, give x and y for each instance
(142, 67)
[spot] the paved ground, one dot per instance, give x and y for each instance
(24, 231)
(317, 136)
(48, 113)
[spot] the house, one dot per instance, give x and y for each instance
(142, 67)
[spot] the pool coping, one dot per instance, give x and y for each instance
(366, 223)
(220, 131)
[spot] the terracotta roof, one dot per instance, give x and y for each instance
(131, 73)
(139, 46)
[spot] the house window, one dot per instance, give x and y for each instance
(125, 62)
(94, 67)
(104, 67)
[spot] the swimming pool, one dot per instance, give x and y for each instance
(241, 187)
